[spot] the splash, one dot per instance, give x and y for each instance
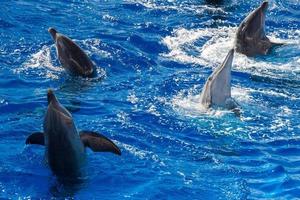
(191, 106)
(217, 42)
(93, 46)
(143, 154)
(183, 39)
(40, 63)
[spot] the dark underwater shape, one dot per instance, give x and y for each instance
(214, 2)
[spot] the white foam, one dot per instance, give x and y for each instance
(189, 105)
(92, 46)
(135, 151)
(153, 110)
(219, 41)
(123, 118)
(41, 58)
(109, 18)
(242, 94)
(182, 38)
(143, 154)
(132, 98)
(3, 102)
(41, 63)
(178, 6)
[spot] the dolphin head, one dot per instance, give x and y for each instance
(254, 24)
(52, 32)
(264, 6)
(55, 106)
(217, 88)
(57, 116)
(250, 37)
(261, 13)
(54, 103)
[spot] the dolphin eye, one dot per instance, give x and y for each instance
(210, 78)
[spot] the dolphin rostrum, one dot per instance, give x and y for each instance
(65, 147)
(217, 89)
(251, 38)
(71, 56)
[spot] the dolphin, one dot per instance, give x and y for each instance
(250, 37)
(71, 56)
(65, 147)
(217, 89)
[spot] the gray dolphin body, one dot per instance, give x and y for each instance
(217, 89)
(251, 38)
(65, 147)
(71, 56)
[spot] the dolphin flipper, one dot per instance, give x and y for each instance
(36, 138)
(98, 142)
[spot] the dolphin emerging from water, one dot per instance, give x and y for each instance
(217, 89)
(71, 56)
(251, 38)
(65, 147)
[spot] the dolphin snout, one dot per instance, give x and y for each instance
(227, 63)
(230, 54)
(50, 96)
(53, 32)
(264, 6)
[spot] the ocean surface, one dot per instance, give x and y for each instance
(152, 57)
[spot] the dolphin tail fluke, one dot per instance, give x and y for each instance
(36, 138)
(98, 142)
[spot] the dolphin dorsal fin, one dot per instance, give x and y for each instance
(98, 142)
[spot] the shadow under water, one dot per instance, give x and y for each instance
(74, 86)
(215, 2)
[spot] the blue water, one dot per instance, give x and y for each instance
(153, 57)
